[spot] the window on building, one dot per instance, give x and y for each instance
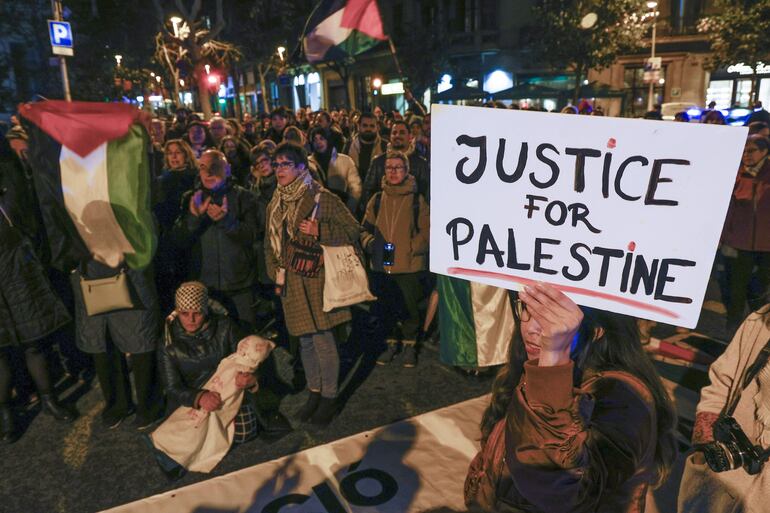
(720, 91)
(637, 91)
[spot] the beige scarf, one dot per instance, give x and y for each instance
(282, 211)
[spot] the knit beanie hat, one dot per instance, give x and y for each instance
(192, 296)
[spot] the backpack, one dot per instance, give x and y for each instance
(415, 209)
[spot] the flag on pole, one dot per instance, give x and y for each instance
(92, 175)
(341, 28)
(475, 321)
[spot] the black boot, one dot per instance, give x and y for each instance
(50, 406)
(325, 412)
(8, 433)
(307, 411)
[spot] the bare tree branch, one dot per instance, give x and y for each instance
(196, 8)
(220, 23)
(159, 12)
(183, 11)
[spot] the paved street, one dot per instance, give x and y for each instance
(83, 468)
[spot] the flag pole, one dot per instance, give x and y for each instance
(401, 74)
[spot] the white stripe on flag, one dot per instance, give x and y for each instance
(493, 320)
(86, 197)
(328, 33)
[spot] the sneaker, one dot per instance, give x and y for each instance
(387, 357)
(409, 358)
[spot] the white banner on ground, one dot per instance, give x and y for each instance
(411, 466)
(620, 214)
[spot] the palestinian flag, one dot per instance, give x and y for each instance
(340, 28)
(91, 171)
(476, 323)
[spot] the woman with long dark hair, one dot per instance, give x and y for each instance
(579, 416)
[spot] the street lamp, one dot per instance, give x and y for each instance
(175, 21)
(118, 58)
(281, 50)
(652, 5)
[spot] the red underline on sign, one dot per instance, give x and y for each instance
(564, 288)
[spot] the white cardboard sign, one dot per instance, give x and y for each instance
(620, 214)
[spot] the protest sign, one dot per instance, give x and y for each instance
(620, 214)
(410, 466)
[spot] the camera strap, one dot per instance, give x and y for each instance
(751, 372)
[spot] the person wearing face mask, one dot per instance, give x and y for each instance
(579, 420)
(745, 241)
(219, 226)
(400, 140)
(180, 170)
(396, 235)
(366, 144)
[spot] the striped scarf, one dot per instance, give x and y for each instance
(282, 211)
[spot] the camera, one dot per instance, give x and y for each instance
(732, 449)
(388, 254)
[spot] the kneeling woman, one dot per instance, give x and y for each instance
(579, 417)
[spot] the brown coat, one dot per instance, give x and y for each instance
(395, 223)
(303, 297)
(579, 449)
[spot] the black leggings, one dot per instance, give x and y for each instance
(37, 366)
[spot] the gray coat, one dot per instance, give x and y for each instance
(132, 331)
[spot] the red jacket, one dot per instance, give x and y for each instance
(747, 226)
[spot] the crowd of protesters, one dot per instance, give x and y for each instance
(242, 210)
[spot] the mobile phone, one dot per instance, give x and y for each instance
(388, 253)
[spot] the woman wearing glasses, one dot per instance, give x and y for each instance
(301, 216)
(579, 417)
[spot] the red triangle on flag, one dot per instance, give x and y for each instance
(363, 16)
(83, 126)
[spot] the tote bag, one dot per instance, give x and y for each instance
(345, 281)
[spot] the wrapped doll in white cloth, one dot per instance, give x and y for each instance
(207, 367)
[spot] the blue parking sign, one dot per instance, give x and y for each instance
(61, 37)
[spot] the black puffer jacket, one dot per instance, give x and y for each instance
(29, 309)
(191, 359)
(222, 251)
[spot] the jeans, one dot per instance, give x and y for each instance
(321, 362)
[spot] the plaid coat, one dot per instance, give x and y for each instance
(303, 297)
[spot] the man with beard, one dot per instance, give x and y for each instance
(418, 166)
(366, 144)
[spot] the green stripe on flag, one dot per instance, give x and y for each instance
(458, 334)
(357, 42)
(128, 177)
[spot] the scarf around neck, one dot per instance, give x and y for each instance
(408, 186)
(283, 208)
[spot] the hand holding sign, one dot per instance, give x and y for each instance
(559, 319)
